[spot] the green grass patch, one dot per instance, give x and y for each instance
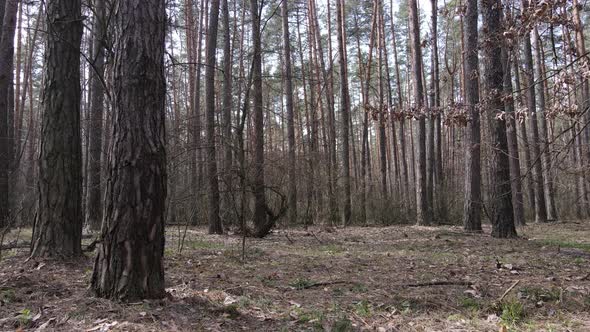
(512, 312)
(567, 244)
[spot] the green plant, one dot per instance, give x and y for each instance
(7, 295)
(343, 324)
(469, 303)
(512, 312)
(363, 308)
(301, 283)
(25, 317)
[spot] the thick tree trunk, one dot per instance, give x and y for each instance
(345, 113)
(423, 215)
(288, 80)
(58, 227)
(473, 199)
(7, 25)
(213, 192)
(94, 191)
(501, 199)
(129, 264)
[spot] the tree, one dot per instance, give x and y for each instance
(8, 10)
(423, 216)
(288, 86)
(540, 206)
(58, 226)
(94, 191)
(213, 192)
(261, 224)
(129, 263)
(493, 79)
(345, 112)
(472, 205)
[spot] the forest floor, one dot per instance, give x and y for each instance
(400, 278)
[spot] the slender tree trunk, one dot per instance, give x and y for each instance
(288, 81)
(345, 113)
(58, 226)
(226, 115)
(543, 134)
(129, 265)
(423, 215)
(493, 79)
(213, 192)
(473, 199)
(515, 177)
(94, 191)
(262, 226)
(540, 206)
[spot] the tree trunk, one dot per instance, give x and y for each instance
(58, 226)
(261, 222)
(473, 199)
(288, 89)
(493, 79)
(515, 177)
(543, 133)
(7, 25)
(227, 110)
(213, 192)
(129, 265)
(94, 192)
(423, 215)
(345, 113)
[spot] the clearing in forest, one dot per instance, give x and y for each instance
(399, 278)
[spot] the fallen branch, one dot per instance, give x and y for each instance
(439, 283)
(508, 290)
(323, 283)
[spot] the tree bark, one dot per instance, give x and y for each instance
(423, 215)
(129, 264)
(345, 113)
(94, 191)
(7, 25)
(473, 199)
(288, 90)
(213, 192)
(493, 79)
(261, 222)
(58, 226)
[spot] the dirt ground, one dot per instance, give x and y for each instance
(400, 278)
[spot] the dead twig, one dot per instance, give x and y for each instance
(288, 238)
(508, 290)
(323, 283)
(439, 283)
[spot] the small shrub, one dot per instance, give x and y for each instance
(301, 283)
(343, 324)
(512, 312)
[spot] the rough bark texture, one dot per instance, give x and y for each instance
(472, 205)
(129, 264)
(345, 113)
(288, 86)
(94, 192)
(501, 199)
(261, 222)
(7, 25)
(58, 226)
(423, 216)
(213, 192)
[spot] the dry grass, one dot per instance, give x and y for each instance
(385, 279)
